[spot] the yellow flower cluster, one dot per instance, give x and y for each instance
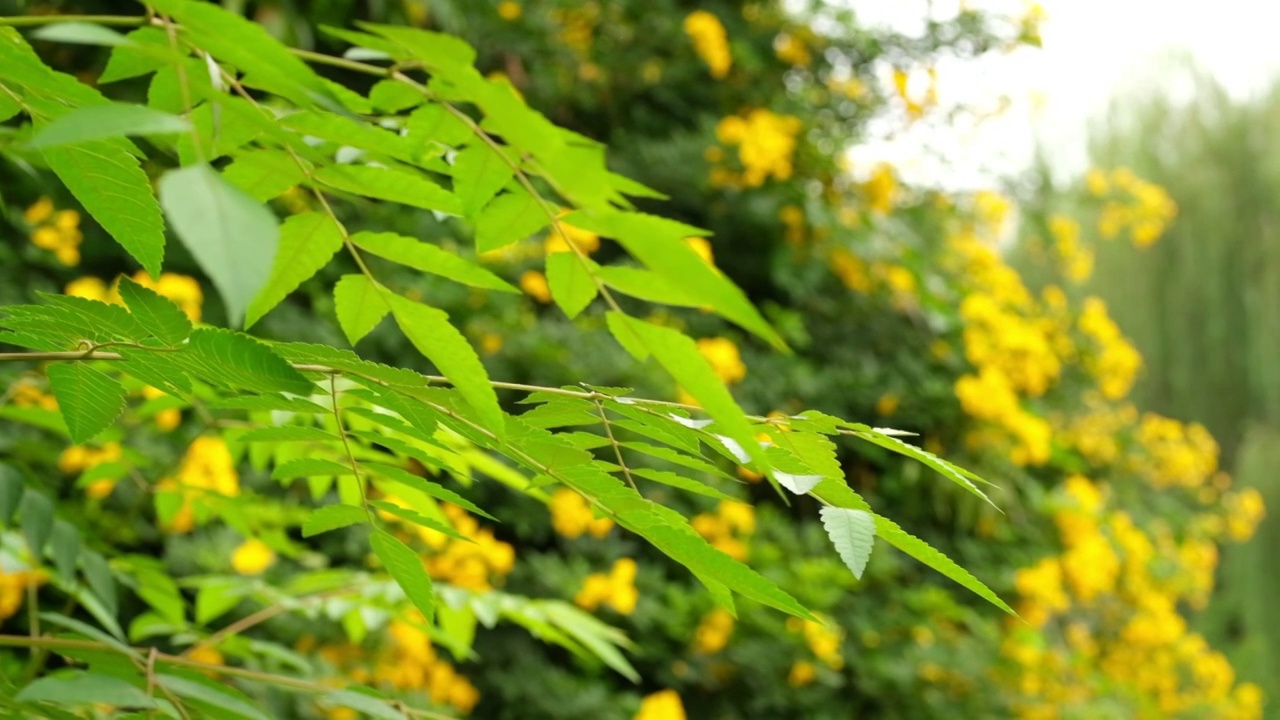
(206, 468)
(181, 289)
(1116, 362)
(880, 190)
(724, 358)
(1075, 258)
(509, 10)
(728, 528)
(851, 270)
(13, 589)
(252, 557)
(766, 143)
(1142, 208)
(534, 284)
(472, 565)
(1176, 454)
(713, 632)
(616, 589)
(26, 393)
(169, 418)
(78, 458)
(57, 231)
(406, 661)
(824, 639)
(710, 41)
(792, 50)
(571, 516)
(1111, 598)
(1095, 432)
(662, 705)
(577, 26)
(584, 240)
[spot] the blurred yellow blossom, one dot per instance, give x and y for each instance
(791, 50)
(57, 231)
(508, 10)
(713, 632)
(766, 143)
(616, 589)
(534, 284)
(802, 673)
(881, 189)
(252, 557)
(724, 358)
(571, 516)
(702, 247)
(662, 705)
(710, 41)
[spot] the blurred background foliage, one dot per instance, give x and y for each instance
(903, 307)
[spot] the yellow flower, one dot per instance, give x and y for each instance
(710, 41)
(616, 589)
(724, 358)
(88, 287)
(1097, 183)
(534, 284)
(713, 632)
(39, 212)
(571, 516)
(587, 242)
(791, 50)
(662, 705)
(252, 557)
(802, 673)
(508, 10)
(490, 343)
(206, 654)
(13, 589)
(881, 189)
(887, 404)
(702, 247)
(766, 143)
(182, 290)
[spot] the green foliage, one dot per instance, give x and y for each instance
(235, 120)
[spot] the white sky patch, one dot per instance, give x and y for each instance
(1092, 50)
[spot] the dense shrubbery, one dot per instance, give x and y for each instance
(900, 310)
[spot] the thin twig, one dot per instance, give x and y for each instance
(617, 449)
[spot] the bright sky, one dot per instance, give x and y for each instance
(1092, 49)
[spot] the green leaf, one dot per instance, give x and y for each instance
(348, 132)
(359, 305)
(511, 217)
(407, 569)
(100, 122)
(110, 184)
(81, 33)
(288, 433)
(65, 544)
(148, 50)
(852, 532)
(675, 458)
(645, 285)
(218, 596)
(431, 259)
(268, 403)
(37, 521)
(427, 487)
(944, 468)
(332, 517)
(431, 333)
(679, 481)
(231, 236)
(89, 400)
(239, 361)
(382, 183)
(659, 244)
(213, 694)
(307, 243)
(433, 122)
(264, 174)
(11, 488)
(158, 314)
(479, 172)
(76, 687)
(248, 46)
(572, 286)
(310, 467)
(679, 356)
(416, 518)
(159, 370)
(394, 96)
(366, 704)
(97, 572)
